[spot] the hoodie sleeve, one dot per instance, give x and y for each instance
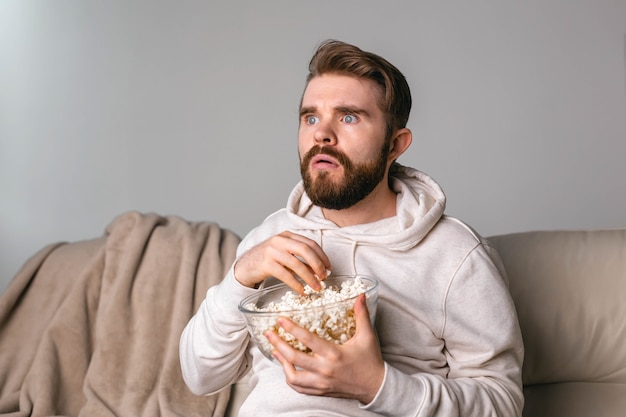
(483, 347)
(214, 344)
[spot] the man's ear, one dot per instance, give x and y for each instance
(400, 142)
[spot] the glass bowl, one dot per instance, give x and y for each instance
(320, 313)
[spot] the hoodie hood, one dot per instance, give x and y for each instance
(420, 204)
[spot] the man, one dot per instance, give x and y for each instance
(447, 341)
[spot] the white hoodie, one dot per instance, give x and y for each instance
(446, 322)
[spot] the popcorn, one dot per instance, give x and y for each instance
(328, 313)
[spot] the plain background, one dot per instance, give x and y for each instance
(190, 108)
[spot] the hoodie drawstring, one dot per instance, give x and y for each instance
(354, 243)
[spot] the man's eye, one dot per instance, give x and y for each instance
(311, 120)
(349, 118)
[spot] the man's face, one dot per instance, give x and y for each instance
(342, 145)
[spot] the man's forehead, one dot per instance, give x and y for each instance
(339, 90)
(333, 80)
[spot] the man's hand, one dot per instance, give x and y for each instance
(284, 256)
(352, 370)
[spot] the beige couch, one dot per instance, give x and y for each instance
(92, 327)
(569, 289)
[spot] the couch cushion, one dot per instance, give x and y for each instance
(575, 399)
(569, 289)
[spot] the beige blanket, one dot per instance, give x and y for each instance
(92, 328)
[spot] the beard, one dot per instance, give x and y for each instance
(358, 182)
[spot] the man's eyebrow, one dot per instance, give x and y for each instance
(338, 109)
(351, 109)
(306, 110)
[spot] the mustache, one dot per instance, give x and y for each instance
(341, 157)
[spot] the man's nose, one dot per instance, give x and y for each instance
(325, 134)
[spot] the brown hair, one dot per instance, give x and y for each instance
(338, 57)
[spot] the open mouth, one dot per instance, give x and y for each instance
(323, 161)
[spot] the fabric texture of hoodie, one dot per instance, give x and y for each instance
(445, 319)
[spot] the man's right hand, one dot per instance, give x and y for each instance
(284, 256)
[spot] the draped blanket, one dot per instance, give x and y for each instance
(92, 328)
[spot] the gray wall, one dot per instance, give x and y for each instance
(190, 108)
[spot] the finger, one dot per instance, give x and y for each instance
(312, 255)
(284, 273)
(283, 256)
(288, 367)
(299, 268)
(362, 316)
(312, 341)
(313, 245)
(283, 263)
(301, 381)
(296, 366)
(294, 378)
(289, 356)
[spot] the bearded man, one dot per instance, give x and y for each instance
(446, 341)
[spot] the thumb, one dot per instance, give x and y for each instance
(361, 315)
